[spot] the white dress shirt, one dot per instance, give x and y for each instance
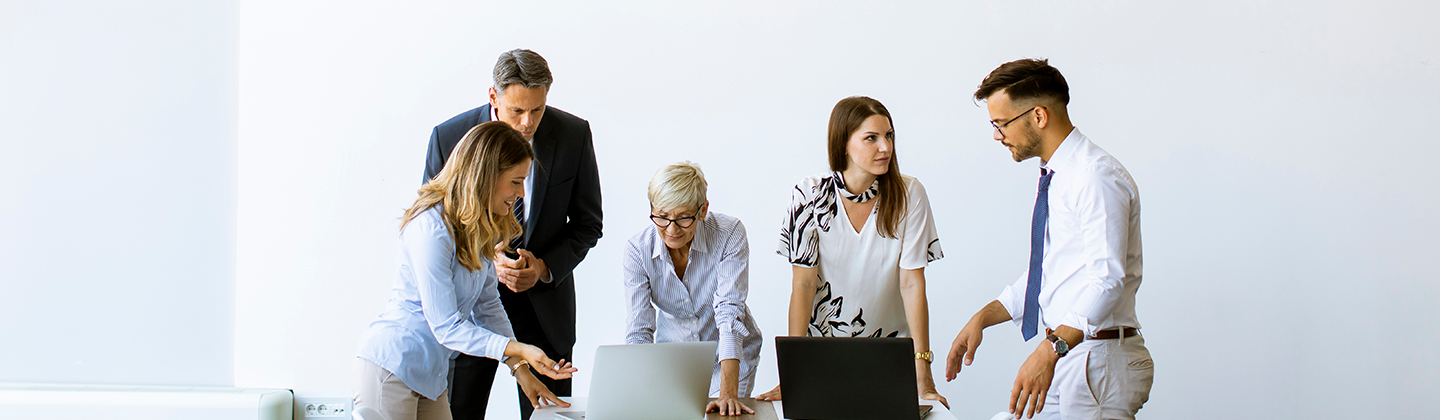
(1092, 262)
(708, 305)
(437, 308)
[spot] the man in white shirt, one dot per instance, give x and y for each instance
(1085, 261)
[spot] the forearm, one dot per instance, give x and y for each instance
(917, 316)
(730, 377)
(993, 313)
(917, 308)
(802, 296)
(1071, 335)
(800, 313)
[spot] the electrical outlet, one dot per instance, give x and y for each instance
(323, 408)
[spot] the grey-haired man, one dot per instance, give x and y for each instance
(560, 213)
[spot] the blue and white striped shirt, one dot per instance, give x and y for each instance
(709, 305)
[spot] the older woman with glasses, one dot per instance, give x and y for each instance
(686, 279)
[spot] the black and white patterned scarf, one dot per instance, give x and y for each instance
(863, 196)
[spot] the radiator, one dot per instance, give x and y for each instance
(64, 402)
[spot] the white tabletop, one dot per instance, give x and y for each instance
(578, 404)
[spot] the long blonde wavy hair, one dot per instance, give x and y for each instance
(465, 187)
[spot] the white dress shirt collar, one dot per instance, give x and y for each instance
(697, 244)
(1063, 158)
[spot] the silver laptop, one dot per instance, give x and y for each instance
(667, 381)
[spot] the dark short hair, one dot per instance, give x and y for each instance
(1026, 79)
(521, 67)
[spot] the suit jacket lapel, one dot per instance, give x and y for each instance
(544, 155)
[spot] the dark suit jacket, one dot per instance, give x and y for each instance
(565, 215)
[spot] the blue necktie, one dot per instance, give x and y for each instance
(1029, 325)
(519, 212)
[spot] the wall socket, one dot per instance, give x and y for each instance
(322, 408)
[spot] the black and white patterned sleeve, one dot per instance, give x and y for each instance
(812, 205)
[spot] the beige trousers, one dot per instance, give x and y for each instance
(382, 391)
(1101, 379)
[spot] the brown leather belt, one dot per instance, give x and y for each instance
(1114, 333)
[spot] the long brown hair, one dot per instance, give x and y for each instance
(847, 116)
(465, 187)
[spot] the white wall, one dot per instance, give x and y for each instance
(1280, 148)
(117, 192)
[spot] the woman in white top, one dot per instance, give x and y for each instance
(692, 267)
(858, 240)
(445, 299)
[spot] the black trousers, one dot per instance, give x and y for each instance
(472, 377)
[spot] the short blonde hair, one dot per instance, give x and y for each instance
(678, 186)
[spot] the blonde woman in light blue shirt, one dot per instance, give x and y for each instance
(686, 279)
(445, 300)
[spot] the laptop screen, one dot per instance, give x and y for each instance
(836, 378)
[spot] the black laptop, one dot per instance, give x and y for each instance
(836, 378)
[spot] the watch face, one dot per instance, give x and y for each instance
(1060, 346)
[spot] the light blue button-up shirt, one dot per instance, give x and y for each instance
(437, 308)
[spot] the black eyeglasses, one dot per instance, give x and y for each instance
(998, 127)
(683, 222)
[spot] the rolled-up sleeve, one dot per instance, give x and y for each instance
(1104, 209)
(1013, 298)
(430, 250)
(733, 287)
(640, 325)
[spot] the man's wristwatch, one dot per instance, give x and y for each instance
(927, 356)
(1059, 344)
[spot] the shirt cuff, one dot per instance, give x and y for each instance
(1074, 320)
(732, 339)
(495, 347)
(548, 277)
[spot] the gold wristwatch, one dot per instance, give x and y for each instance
(927, 356)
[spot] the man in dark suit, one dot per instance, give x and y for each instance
(560, 213)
